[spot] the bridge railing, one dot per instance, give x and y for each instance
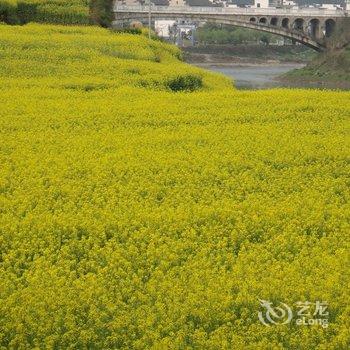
(227, 10)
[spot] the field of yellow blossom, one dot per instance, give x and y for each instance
(147, 204)
(46, 11)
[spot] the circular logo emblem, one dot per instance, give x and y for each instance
(281, 314)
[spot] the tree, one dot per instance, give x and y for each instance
(265, 40)
(101, 12)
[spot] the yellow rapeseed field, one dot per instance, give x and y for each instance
(46, 11)
(146, 204)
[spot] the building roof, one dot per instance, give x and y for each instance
(204, 3)
(320, 2)
(243, 2)
(161, 2)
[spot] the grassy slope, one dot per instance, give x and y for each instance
(332, 66)
(133, 217)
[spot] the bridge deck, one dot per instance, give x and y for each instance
(302, 12)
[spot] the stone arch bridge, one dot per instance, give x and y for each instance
(310, 26)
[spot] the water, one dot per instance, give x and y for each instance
(257, 76)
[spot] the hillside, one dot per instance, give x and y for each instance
(147, 204)
(333, 66)
(89, 58)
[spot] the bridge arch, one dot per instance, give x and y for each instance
(329, 27)
(298, 24)
(314, 28)
(285, 23)
(252, 19)
(274, 21)
(263, 20)
(293, 35)
(298, 37)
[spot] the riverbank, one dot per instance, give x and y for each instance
(331, 70)
(247, 54)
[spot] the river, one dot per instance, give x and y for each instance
(255, 76)
(258, 76)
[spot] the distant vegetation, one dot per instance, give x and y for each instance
(224, 34)
(56, 11)
(100, 12)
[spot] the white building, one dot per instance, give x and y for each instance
(177, 3)
(328, 6)
(162, 27)
(290, 3)
(261, 4)
(128, 2)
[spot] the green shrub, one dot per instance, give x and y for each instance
(188, 82)
(136, 31)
